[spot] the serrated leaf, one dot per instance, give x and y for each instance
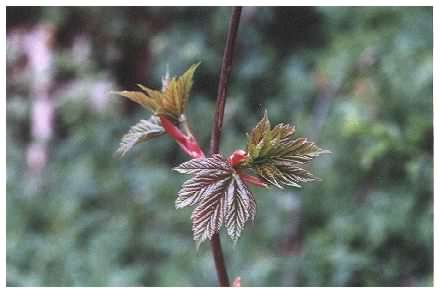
(215, 163)
(274, 154)
(261, 130)
(280, 175)
(177, 90)
(170, 101)
(142, 99)
(201, 185)
(207, 218)
(240, 204)
(140, 132)
(298, 151)
(220, 196)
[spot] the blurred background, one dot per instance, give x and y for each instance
(358, 81)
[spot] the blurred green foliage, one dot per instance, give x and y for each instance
(356, 80)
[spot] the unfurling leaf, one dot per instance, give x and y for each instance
(240, 205)
(195, 189)
(214, 163)
(170, 101)
(220, 196)
(150, 101)
(275, 155)
(142, 131)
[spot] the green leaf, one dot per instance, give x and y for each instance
(275, 155)
(148, 102)
(142, 131)
(280, 175)
(183, 87)
(170, 101)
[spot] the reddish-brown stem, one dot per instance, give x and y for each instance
(172, 130)
(187, 143)
(223, 82)
(219, 261)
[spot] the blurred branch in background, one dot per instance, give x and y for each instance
(37, 44)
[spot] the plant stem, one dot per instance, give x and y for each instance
(220, 267)
(225, 72)
(223, 82)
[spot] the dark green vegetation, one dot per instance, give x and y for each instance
(358, 81)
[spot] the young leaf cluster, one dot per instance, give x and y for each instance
(169, 102)
(218, 188)
(277, 157)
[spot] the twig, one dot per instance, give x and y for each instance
(223, 82)
(222, 274)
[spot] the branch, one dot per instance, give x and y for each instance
(223, 82)
(225, 72)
